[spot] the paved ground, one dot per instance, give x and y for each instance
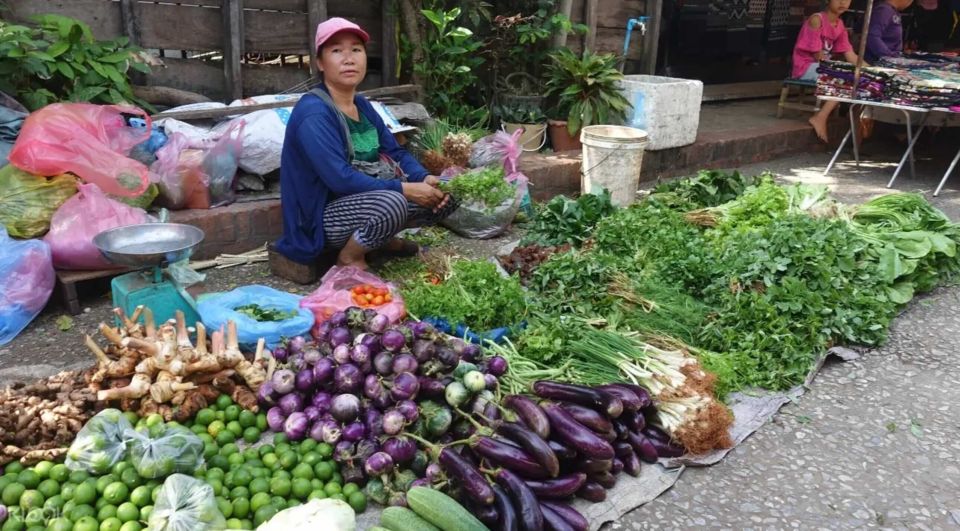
(873, 444)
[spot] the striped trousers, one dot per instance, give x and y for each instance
(372, 218)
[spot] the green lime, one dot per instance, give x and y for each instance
(131, 417)
(221, 417)
(116, 493)
(78, 476)
(59, 524)
(235, 459)
(110, 524)
(253, 464)
(325, 450)
(338, 496)
(219, 461)
(216, 485)
(156, 493)
(54, 503)
(210, 450)
(215, 427)
(239, 492)
(29, 479)
(231, 412)
(81, 511)
(259, 485)
(31, 499)
(68, 507)
(280, 438)
(198, 429)
(205, 416)
(324, 470)
(282, 448)
(154, 420)
(266, 449)
(103, 481)
(247, 523)
(358, 501)
(235, 427)
(145, 513)
(300, 488)
(128, 512)
(107, 511)
(332, 488)
(226, 437)
(206, 437)
(260, 472)
(132, 525)
(14, 467)
(303, 470)
(60, 473)
(101, 501)
(241, 507)
(251, 434)
(292, 502)
(43, 468)
(84, 493)
(224, 401)
(6, 480)
(350, 488)
(120, 467)
(141, 496)
(259, 500)
(280, 487)
(289, 459)
(317, 494)
(262, 422)
(234, 523)
(282, 474)
(317, 484)
(66, 491)
(229, 449)
(308, 445)
(247, 418)
(130, 478)
(242, 477)
(337, 478)
(263, 514)
(311, 458)
(271, 461)
(278, 501)
(225, 507)
(48, 488)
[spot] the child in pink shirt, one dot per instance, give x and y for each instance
(822, 36)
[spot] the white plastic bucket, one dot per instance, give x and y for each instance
(612, 158)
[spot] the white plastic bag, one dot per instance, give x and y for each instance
(162, 450)
(100, 444)
(327, 514)
(477, 221)
(186, 504)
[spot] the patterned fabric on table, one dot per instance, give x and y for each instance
(836, 79)
(926, 88)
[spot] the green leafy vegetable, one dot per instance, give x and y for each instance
(564, 220)
(485, 186)
(259, 313)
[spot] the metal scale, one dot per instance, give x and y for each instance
(150, 248)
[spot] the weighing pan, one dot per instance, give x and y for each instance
(149, 244)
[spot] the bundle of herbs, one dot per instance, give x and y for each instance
(569, 221)
(709, 188)
(484, 186)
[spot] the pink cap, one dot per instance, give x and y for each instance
(332, 26)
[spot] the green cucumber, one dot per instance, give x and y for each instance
(403, 519)
(442, 510)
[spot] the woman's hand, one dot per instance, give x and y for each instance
(432, 180)
(425, 195)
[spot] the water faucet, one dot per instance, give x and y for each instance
(632, 23)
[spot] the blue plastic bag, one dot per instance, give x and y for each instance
(497, 335)
(26, 282)
(218, 308)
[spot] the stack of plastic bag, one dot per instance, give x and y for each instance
(27, 202)
(82, 217)
(191, 176)
(26, 282)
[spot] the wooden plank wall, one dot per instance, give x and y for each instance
(611, 18)
(195, 26)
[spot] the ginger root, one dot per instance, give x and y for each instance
(163, 391)
(139, 386)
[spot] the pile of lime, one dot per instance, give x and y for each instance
(254, 484)
(224, 423)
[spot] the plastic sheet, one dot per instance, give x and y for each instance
(163, 450)
(218, 308)
(26, 282)
(186, 504)
(27, 202)
(90, 141)
(82, 217)
(333, 295)
(101, 443)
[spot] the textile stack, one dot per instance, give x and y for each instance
(836, 79)
(926, 88)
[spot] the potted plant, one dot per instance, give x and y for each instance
(528, 117)
(585, 92)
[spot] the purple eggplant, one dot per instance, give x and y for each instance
(635, 421)
(322, 401)
(530, 413)
(423, 350)
(590, 418)
(323, 371)
(405, 363)
(561, 450)
(643, 447)
(605, 479)
(665, 449)
(609, 436)
(405, 386)
(354, 432)
(409, 410)
(579, 394)
(559, 488)
(393, 422)
(430, 388)
(378, 464)
(622, 448)
(348, 378)
(620, 429)
(575, 434)
(553, 520)
(631, 464)
(401, 449)
(497, 366)
(471, 480)
(366, 448)
(508, 514)
(487, 514)
(592, 466)
(592, 492)
(533, 444)
(372, 388)
(569, 514)
(373, 420)
(631, 402)
(525, 501)
(500, 454)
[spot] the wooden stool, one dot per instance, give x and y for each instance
(67, 282)
(283, 267)
(799, 105)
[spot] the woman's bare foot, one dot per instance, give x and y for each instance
(401, 247)
(353, 255)
(819, 123)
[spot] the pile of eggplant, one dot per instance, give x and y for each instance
(517, 472)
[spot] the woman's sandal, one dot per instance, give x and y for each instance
(406, 248)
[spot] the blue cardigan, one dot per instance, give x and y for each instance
(314, 170)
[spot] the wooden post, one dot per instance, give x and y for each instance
(316, 13)
(389, 43)
(863, 49)
(232, 11)
(652, 40)
(131, 28)
(566, 8)
(590, 18)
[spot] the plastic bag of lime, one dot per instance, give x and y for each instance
(186, 504)
(100, 444)
(162, 449)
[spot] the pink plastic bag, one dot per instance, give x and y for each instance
(499, 147)
(82, 217)
(333, 295)
(26, 282)
(179, 174)
(90, 141)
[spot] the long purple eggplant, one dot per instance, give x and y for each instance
(575, 434)
(642, 394)
(620, 429)
(571, 515)
(592, 492)
(525, 501)
(472, 481)
(631, 402)
(643, 446)
(579, 394)
(559, 488)
(561, 450)
(617, 466)
(590, 418)
(604, 479)
(505, 455)
(591, 466)
(609, 436)
(530, 414)
(535, 446)
(634, 421)
(666, 449)
(488, 514)
(554, 521)
(622, 449)
(508, 513)
(631, 464)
